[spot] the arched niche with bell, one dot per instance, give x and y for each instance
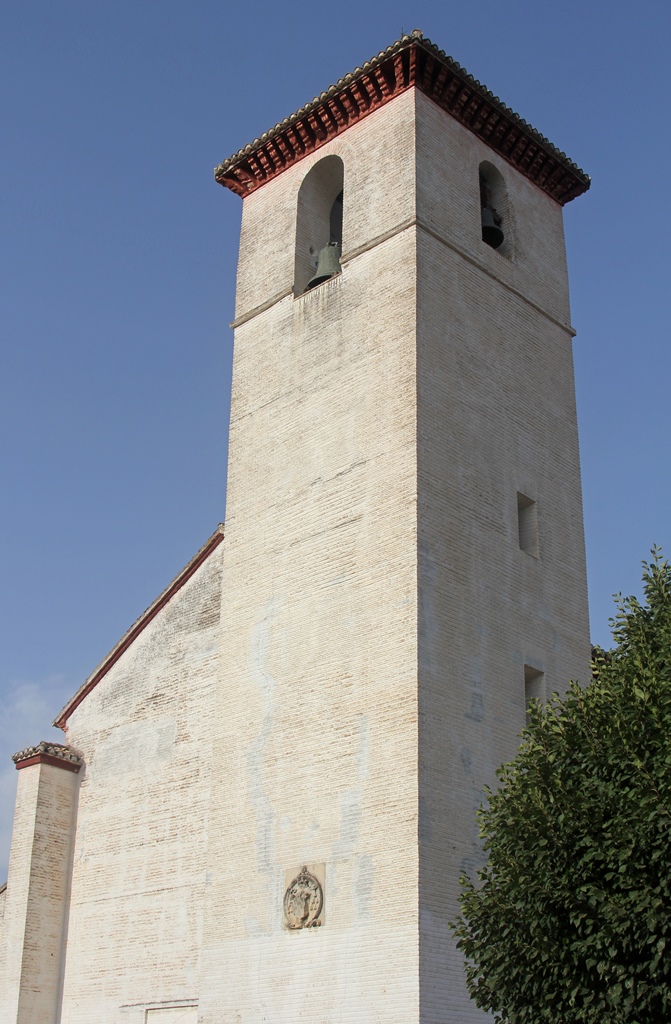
(495, 213)
(319, 224)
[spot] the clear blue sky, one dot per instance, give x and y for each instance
(119, 269)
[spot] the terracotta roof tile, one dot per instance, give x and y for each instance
(411, 61)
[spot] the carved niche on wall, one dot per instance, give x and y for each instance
(304, 898)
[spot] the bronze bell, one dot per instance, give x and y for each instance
(328, 265)
(491, 227)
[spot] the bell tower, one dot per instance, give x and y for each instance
(404, 558)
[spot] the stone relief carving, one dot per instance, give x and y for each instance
(303, 901)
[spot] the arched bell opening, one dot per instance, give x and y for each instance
(495, 219)
(319, 224)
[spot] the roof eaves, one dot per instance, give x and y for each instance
(386, 75)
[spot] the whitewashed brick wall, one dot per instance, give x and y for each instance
(381, 429)
(146, 734)
(318, 701)
(37, 892)
(496, 416)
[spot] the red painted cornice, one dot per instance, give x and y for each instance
(54, 754)
(412, 61)
(128, 638)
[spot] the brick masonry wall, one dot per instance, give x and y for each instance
(318, 706)
(36, 895)
(146, 733)
(496, 416)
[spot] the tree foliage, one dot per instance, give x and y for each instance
(570, 919)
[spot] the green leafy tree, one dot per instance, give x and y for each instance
(569, 921)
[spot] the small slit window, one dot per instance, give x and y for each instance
(527, 525)
(534, 687)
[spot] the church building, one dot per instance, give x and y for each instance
(266, 792)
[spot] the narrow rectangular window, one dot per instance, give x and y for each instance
(527, 525)
(534, 686)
